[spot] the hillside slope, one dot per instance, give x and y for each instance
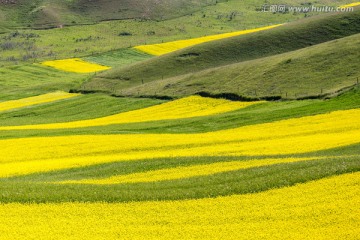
(320, 69)
(283, 39)
(51, 13)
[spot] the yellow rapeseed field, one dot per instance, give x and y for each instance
(76, 65)
(350, 5)
(187, 172)
(30, 101)
(164, 48)
(194, 106)
(323, 209)
(300, 135)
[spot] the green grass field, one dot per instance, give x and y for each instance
(33, 79)
(50, 13)
(121, 57)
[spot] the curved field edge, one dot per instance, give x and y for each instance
(320, 209)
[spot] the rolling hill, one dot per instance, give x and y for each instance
(314, 71)
(162, 75)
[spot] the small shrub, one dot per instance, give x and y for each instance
(125, 34)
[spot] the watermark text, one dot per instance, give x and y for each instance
(278, 8)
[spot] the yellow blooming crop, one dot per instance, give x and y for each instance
(323, 209)
(194, 106)
(30, 101)
(350, 5)
(187, 172)
(76, 65)
(300, 135)
(164, 48)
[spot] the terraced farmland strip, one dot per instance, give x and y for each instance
(82, 108)
(293, 136)
(186, 172)
(31, 101)
(86, 106)
(40, 187)
(184, 108)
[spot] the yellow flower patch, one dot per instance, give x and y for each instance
(30, 101)
(164, 48)
(323, 209)
(188, 107)
(350, 5)
(76, 65)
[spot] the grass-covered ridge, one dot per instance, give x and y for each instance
(290, 37)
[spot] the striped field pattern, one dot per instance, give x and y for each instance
(242, 182)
